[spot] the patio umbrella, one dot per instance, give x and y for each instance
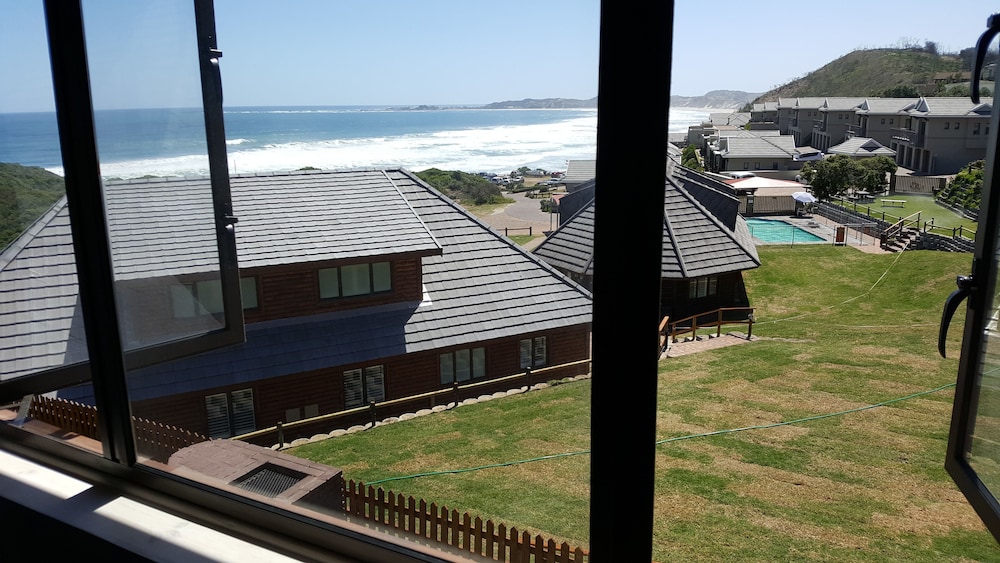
(804, 197)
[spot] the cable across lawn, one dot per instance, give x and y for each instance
(674, 439)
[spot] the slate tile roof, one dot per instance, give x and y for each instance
(770, 146)
(884, 105)
(478, 285)
(861, 146)
(949, 107)
(703, 233)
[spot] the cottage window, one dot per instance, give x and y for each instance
(956, 125)
(702, 287)
(947, 125)
(883, 121)
(891, 120)
(532, 352)
(205, 297)
(363, 386)
(354, 279)
(230, 414)
(462, 365)
(975, 128)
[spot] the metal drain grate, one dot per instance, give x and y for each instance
(268, 480)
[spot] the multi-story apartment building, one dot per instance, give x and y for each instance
(941, 135)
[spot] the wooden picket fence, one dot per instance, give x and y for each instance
(463, 532)
(152, 439)
(428, 521)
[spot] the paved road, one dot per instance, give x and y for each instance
(520, 215)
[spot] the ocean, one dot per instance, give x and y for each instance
(170, 142)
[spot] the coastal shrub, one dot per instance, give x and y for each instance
(466, 188)
(966, 189)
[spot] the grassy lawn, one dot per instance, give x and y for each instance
(522, 240)
(924, 204)
(488, 208)
(840, 331)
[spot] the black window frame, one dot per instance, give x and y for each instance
(981, 287)
(340, 282)
(632, 134)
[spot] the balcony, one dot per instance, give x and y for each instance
(907, 136)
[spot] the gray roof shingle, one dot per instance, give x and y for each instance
(702, 232)
(478, 285)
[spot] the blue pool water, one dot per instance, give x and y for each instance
(779, 232)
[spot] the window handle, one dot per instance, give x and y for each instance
(965, 285)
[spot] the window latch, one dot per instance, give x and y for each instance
(965, 286)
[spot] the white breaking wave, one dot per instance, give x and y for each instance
(495, 149)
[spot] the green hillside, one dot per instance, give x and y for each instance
(26, 192)
(870, 73)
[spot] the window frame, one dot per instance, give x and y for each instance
(979, 301)
(620, 345)
(337, 273)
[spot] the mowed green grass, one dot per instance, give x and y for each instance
(840, 330)
(924, 204)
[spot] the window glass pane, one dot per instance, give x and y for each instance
(375, 384)
(210, 296)
(356, 279)
(243, 412)
(525, 353)
(41, 324)
(353, 389)
(329, 286)
(183, 301)
(381, 277)
(447, 364)
(248, 291)
(540, 354)
(479, 362)
(463, 370)
(217, 412)
(146, 88)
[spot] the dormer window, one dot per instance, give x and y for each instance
(355, 279)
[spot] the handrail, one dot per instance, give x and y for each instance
(679, 327)
(372, 407)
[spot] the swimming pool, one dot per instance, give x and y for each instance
(780, 232)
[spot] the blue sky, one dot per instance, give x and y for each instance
(402, 52)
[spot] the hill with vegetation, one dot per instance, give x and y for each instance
(26, 192)
(465, 188)
(874, 72)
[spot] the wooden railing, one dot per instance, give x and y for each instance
(152, 439)
(428, 521)
(893, 231)
(670, 330)
(450, 394)
(463, 532)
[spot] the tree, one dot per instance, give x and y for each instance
(902, 91)
(871, 174)
(966, 189)
(689, 158)
(830, 177)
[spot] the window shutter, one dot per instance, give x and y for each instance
(540, 355)
(354, 395)
(243, 416)
(525, 354)
(217, 410)
(375, 384)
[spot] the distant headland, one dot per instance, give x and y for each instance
(720, 99)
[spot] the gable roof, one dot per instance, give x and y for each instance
(884, 105)
(949, 107)
(580, 171)
(702, 232)
(860, 147)
(479, 286)
(771, 146)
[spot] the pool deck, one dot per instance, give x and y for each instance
(825, 228)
